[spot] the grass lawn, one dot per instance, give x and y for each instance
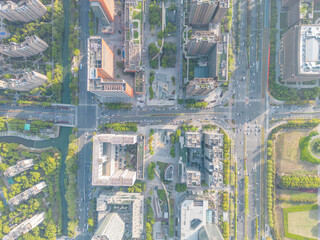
(304, 223)
(287, 153)
(136, 15)
(296, 195)
(135, 34)
(135, 24)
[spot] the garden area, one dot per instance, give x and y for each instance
(291, 180)
(46, 168)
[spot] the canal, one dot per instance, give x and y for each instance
(62, 141)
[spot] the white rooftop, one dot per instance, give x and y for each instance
(309, 49)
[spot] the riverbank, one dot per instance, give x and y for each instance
(45, 135)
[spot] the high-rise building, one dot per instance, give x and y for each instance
(220, 11)
(31, 46)
(26, 82)
(100, 59)
(202, 42)
(25, 227)
(131, 206)
(299, 54)
(201, 12)
(103, 10)
(101, 71)
(193, 177)
(201, 86)
(26, 194)
(112, 227)
(193, 218)
(20, 167)
(108, 160)
(23, 11)
(213, 151)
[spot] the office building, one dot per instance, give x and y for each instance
(299, 54)
(193, 218)
(25, 227)
(109, 160)
(25, 195)
(101, 71)
(201, 12)
(103, 10)
(193, 177)
(112, 228)
(299, 12)
(23, 11)
(20, 167)
(30, 47)
(213, 158)
(201, 86)
(129, 206)
(26, 82)
(192, 140)
(100, 59)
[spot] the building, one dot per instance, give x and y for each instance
(23, 11)
(129, 206)
(298, 11)
(213, 158)
(25, 227)
(30, 47)
(20, 167)
(218, 60)
(201, 86)
(193, 177)
(103, 10)
(220, 11)
(193, 218)
(101, 71)
(111, 88)
(25, 195)
(192, 140)
(100, 60)
(299, 54)
(132, 36)
(112, 227)
(26, 82)
(109, 160)
(202, 42)
(201, 12)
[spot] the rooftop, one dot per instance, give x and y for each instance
(309, 49)
(105, 202)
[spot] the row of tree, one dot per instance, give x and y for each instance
(299, 182)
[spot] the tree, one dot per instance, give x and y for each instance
(154, 14)
(151, 170)
(181, 187)
(160, 34)
(153, 50)
(50, 231)
(90, 222)
(5, 229)
(76, 52)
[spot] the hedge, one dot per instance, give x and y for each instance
(285, 220)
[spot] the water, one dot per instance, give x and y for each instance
(62, 141)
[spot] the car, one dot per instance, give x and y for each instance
(80, 66)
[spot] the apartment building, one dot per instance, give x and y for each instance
(109, 160)
(25, 195)
(203, 12)
(20, 167)
(201, 86)
(213, 157)
(103, 10)
(22, 11)
(202, 42)
(129, 206)
(26, 82)
(25, 227)
(111, 227)
(31, 46)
